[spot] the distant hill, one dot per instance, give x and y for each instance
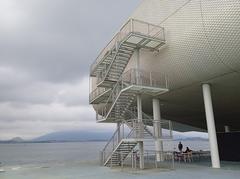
(13, 140)
(96, 136)
(80, 135)
(190, 135)
(16, 139)
(74, 136)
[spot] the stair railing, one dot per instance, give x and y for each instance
(148, 124)
(122, 132)
(132, 25)
(131, 77)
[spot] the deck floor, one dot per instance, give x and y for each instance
(92, 170)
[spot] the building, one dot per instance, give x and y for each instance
(173, 60)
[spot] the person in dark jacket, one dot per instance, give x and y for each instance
(180, 146)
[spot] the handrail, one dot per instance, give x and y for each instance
(132, 25)
(97, 92)
(133, 77)
(107, 68)
(117, 130)
(136, 132)
(112, 143)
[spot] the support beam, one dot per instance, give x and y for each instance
(157, 129)
(141, 147)
(211, 125)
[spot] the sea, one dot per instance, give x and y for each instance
(50, 160)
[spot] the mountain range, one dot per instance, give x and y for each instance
(80, 135)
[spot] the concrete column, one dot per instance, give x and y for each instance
(211, 125)
(227, 128)
(157, 128)
(141, 147)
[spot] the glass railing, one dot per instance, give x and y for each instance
(131, 26)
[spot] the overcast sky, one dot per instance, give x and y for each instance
(46, 48)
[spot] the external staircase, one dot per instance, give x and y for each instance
(113, 59)
(116, 89)
(121, 152)
(123, 94)
(125, 139)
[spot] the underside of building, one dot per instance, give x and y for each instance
(174, 65)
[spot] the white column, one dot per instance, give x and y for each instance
(211, 125)
(139, 107)
(157, 128)
(227, 128)
(141, 147)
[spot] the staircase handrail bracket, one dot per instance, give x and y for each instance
(132, 26)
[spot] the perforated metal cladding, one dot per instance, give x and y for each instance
(222, 27)
(202, 38)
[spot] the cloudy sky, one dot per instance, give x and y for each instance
(46, 48)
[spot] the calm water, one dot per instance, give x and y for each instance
(80, 161)
(51, 153)
(55, 153)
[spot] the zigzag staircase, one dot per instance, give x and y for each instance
(116, 90)
(120, 150)
(126, 138)
(112, 61)
(123, 95)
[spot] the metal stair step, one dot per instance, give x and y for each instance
(127, 45)
(123, 57)
(123, 50)
(122, 54)
(115, 70)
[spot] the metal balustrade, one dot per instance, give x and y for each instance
(125, 132)
(131, 26)
(97, 93)
(116, 91)
(149, 82)
(127, 135)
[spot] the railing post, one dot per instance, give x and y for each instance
(111, 162)
(131, 26)
(148, 30)
(166, 81)
(170, 128)
(151, 79)
(119, 132)
(113, 144)
(123, 130)
(132, 158)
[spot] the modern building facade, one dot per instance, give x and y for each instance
(175, 63)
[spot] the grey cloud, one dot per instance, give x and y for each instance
(46, 113)
(46, 48)
(61, 38)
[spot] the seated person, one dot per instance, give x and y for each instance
(187, 150)
(188, 155)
